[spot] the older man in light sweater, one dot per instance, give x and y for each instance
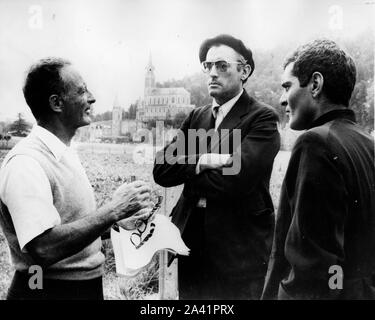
(48, 212)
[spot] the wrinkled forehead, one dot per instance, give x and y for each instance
(71, 76)
(222, 52)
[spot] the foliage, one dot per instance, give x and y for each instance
(131, 113)
(6, 137)
(264, 84)
(178, 119)
(105, 116)
(19, 127)
(4, 141)
(151, 124)
(168, 120)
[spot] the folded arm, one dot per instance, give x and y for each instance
(255, 158)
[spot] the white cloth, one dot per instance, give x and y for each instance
(26, 191)
(132, 257)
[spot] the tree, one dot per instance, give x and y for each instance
(105, 116)
(178, 119)
(20, 127)
(151, 124)
(168, 120)
(132, 112)
(6, 138)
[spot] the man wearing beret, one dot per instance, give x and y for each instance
(226, 219)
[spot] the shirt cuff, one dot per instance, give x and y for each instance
(197, 168)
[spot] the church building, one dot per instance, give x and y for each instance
(157, 104)
(161, 103)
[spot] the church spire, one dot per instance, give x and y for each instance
(150, 67)
(150, 77)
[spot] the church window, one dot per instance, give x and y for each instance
(172, 99)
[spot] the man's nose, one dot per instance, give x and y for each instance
(213, 72)
(283, 101)
(91, 98)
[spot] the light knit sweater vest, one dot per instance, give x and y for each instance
(73, 198)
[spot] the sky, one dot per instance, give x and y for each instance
(110, 41)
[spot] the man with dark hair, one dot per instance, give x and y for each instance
(43, 79)
(325, 228)
(47, 208)
(226, 219)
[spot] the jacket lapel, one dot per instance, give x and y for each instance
(234, 117)
(241, 108)
(207, 119)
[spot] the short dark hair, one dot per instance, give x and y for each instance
(336, 66)
(230, 41)
(43, 79)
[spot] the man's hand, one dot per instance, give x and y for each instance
(131, 200)
(209, 161)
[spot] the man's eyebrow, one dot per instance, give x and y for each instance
(286, 84)
(82, 87)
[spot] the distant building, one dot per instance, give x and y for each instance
(161, 103)
(157, 103)
(110, 130)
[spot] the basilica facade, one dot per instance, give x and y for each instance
(161, 103)
(157, 104)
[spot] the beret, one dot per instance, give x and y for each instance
(228, 40)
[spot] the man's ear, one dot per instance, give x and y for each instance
(55, 103)
(317, 81)
(246, 70)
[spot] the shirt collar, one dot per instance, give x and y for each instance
(53, 143)
(332, 115)
(227, 106)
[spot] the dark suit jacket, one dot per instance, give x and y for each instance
(239, 218)
(326, 215)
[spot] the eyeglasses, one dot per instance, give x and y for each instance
(220, 65)
(136, 238)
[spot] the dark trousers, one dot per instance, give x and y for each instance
(192, 280)
(198, 279)
(55, 289)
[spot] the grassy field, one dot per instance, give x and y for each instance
(106, 171)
